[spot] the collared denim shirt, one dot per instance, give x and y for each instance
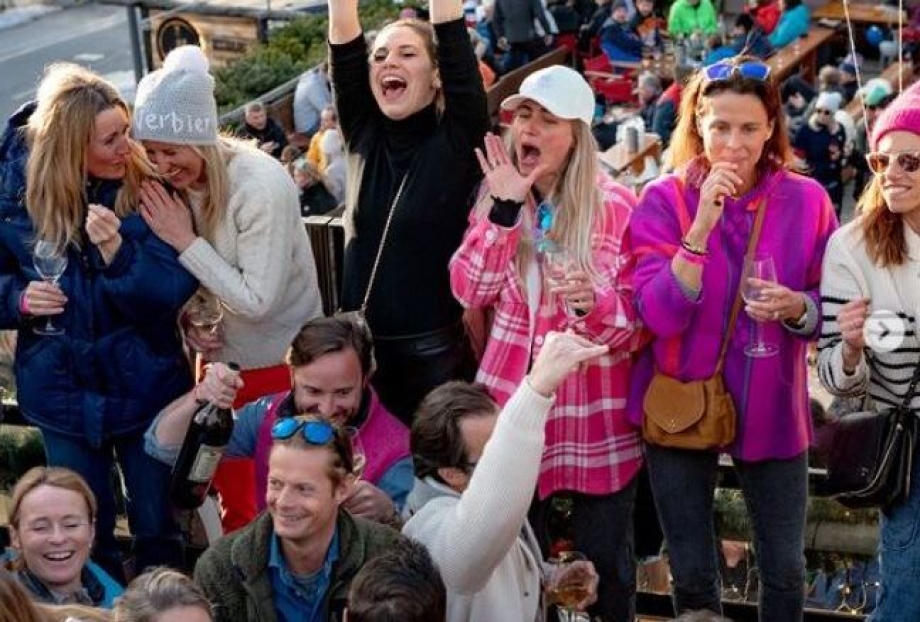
(300, 599)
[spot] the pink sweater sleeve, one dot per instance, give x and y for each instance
(479, 267)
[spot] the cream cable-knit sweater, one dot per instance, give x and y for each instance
(849, 274)
(480, 540)
(261, 265)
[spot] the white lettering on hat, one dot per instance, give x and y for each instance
(150, 120)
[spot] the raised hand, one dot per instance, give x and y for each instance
(722, 180)
(504, 179)
(561, 354)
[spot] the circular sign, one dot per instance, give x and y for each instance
(885, 331)
(174, 32)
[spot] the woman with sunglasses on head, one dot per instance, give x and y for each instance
(871, 266)
(690, 233)
(411, 110)
(544, 252)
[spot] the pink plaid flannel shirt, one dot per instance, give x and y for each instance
(590, 446)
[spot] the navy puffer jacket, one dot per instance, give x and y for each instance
(120, 360)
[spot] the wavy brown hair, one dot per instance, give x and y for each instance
(883, 230)
(687, 143)
(70, 98)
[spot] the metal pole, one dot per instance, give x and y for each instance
(137, 52)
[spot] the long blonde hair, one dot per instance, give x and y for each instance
(59, 132)
(577, 199)
(217, 182)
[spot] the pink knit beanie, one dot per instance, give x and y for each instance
(901, 114)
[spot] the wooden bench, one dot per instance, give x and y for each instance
(859, 13)
(800, 56)
(855, 107)
(509, 83)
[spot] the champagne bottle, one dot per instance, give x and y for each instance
(207, 437)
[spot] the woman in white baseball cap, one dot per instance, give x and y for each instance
(544, 252)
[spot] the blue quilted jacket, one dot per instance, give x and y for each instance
(120, 360)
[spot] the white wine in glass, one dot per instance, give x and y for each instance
(50, 261)
(759, 272)
(569, 584)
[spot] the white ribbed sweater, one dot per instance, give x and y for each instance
(480, 540)
(261, 265)
(849, 274)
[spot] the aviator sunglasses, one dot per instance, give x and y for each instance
(724, 71)
(314, 431)
(909, 161)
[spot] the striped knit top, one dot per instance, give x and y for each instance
(849, 274)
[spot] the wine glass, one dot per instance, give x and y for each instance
(358, 455)
(569, 583)
(759, 272)
(205, 312)
(50, 261)
(557, 263)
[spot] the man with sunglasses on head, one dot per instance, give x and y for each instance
(297, 560)
(477, 471)
(331, 362)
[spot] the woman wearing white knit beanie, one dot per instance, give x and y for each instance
(242, 238)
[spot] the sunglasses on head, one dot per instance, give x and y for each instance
(752, 70)
(909, 161)
(314, 430)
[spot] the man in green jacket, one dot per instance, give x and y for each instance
(297, 560)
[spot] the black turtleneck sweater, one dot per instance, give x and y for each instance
(411, 293)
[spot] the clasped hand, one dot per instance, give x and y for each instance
(776, 303)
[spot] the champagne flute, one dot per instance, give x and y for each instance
(557, 263)
(569, 583)
(758, 272)
(50, 261)
(358, 455)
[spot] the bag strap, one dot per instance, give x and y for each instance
(911, 389)
(736, 307)
(683, 216)
(383, 240)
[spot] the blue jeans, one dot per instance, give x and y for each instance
(899, 550)
(776, 494)
(602, 528)
(157, 539)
